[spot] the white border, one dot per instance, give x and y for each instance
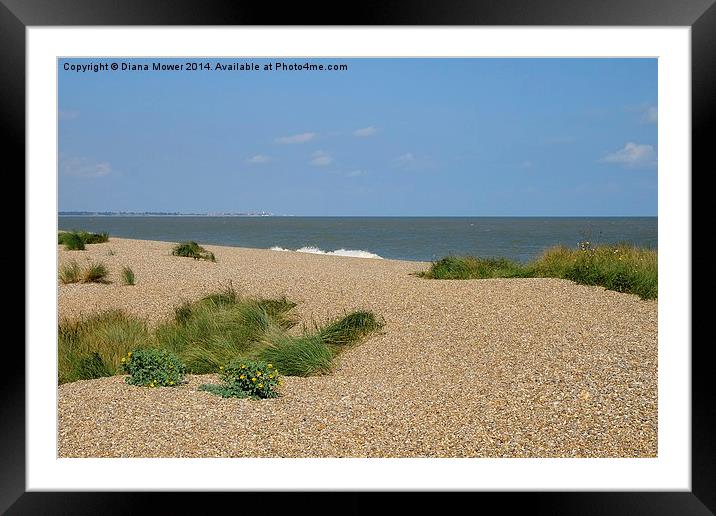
(671, 470)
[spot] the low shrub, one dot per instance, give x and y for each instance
(128, 276)
(152, 367)
(70, 273)
(246, 379)
(191, 249)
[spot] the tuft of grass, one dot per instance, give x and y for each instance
(93, 346)
(76, 240)
(471, 267)
(95, 273)
(191, 249)
(210, 333)
(621, 267)
(128, 276)
(70, 273)
(349, 329)
(72, 241)
(297, 356)
(94, 238)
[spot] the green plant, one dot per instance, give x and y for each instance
(191, 249)
(620, 267)
(470, 267)
(77, 239)
(110, 252)
(72, 241)
(92, 347)
(70, 273)
(213, 331)
(246, 379)
(128, 276)
(349, 328)
(95, 273)
(297, 356)
(94, 238)
(152, 367)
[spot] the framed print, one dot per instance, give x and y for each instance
(416, 250)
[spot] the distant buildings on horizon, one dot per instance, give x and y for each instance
(165, 213)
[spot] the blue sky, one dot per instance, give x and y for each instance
(453, 137)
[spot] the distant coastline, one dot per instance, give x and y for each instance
(162, 214)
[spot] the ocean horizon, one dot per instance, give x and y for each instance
(401, 238)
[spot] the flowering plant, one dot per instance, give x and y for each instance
(247, 379)
(152, 367)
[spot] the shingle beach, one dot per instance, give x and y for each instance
(462, 368)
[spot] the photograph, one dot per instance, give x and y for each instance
(357, 257)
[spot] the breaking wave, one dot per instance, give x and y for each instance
(355, 253)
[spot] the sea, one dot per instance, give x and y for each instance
(400, 238)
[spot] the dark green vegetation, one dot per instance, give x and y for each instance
(622, 268)
(246, 379)
(128, 276)
(93, 347)
(153, 367)
(193, 250)
(76, 240)
(94, 273)
(212, 333)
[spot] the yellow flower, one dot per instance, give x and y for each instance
(271, 376)
(171, 383)
(270, 366)
(261, 385)
(243, 366)
(124, 359)
(242, 377)
(258, 373)
(253, 379)
(221, 367)
(129, 354)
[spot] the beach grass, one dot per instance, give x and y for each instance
(191, 249)
(95, 273)
(70, 273)
(72, 241)
(128, 277)
(620, 267)
(208, 333)
(93, 346)
(76, 240)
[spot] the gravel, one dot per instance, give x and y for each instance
(463, 368)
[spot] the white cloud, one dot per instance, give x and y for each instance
(651, 114)
(632, 155)
(321, 159)
(258, 159)
(296, 138)
(355, 173)
(85, 167)
(405, 158)
(365, 131)
(69, 115)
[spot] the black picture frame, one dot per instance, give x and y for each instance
(699, 15)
